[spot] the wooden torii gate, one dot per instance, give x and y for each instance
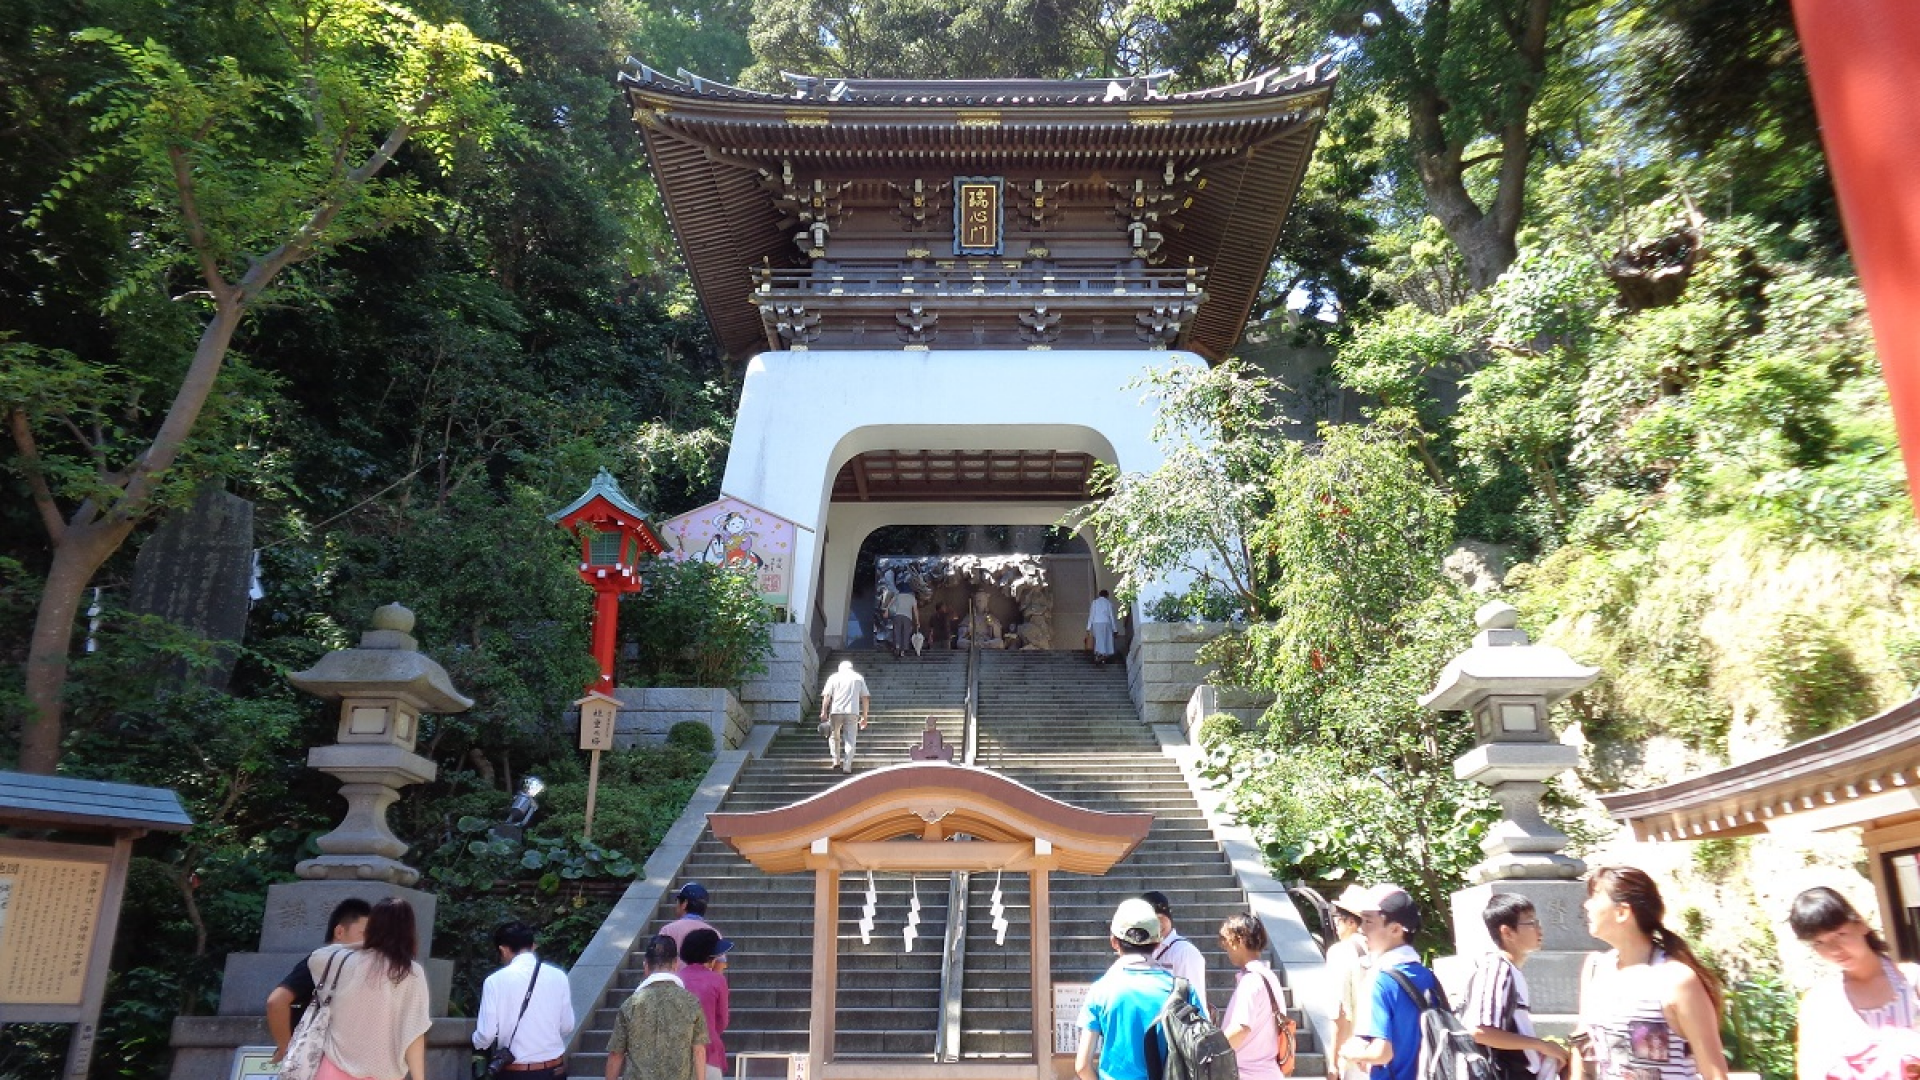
(857, 824)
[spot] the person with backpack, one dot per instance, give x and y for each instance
(1868, 1009)
(1649, 1009)
(1386, 1038)
(1120, 1023)
(1496, 1010)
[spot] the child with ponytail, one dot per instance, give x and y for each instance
(1649, 1009)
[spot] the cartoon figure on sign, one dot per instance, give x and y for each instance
(732, 543)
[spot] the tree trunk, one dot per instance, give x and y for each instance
(79, 554)
(91, 537)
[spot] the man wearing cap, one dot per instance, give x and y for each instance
(1386, 1037)
(1348, 967)
(1123, 1004)
(843, 701)
(660, 1033)
(1175, 953)
(703, 970)
(691, 907)
(525, 1007)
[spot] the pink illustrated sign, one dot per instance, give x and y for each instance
(736, 534)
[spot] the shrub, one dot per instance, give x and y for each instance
(695, 624)
(1761, 1026)
(692, 736)
(1217, 730)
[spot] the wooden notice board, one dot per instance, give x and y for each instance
(51, 901)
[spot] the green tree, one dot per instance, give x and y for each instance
(1467, 76)
(237, 174)
(924, 39)
(1192, 518)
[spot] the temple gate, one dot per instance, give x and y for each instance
(941, 290)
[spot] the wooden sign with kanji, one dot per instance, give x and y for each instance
(598, 713)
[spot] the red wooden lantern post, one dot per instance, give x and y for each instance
(613, 534)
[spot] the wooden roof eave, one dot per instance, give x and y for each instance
(931, 800)
(1866, 771)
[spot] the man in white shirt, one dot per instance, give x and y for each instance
(1101, 623)
(843, 713)
(527, 1007)
(1176, 953)
(1349, 971)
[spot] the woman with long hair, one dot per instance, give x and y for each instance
(1649, 1009)
(1252, 1020)
(1868, 992)
(379, 1020)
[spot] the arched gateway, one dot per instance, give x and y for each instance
(928, 817)
(942, 289)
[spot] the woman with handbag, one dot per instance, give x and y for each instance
(370, 1020)
(1255, 1024)
(1868, 1008)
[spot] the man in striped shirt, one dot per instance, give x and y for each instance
(1496, 1008)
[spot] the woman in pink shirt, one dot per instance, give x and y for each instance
(704, 960)
(1251, 1022)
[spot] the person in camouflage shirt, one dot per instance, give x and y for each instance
(660, 1033)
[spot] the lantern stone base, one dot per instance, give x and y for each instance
(203, 1046)
(648, 713)
(295, 923)
(1553, 973)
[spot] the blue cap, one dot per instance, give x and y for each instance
(692, 890)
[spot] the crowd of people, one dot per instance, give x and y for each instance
(1649, 1009)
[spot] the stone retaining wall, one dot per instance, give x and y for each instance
(647, 713)
(779, 694)
(1162, 668)
(1208, 699)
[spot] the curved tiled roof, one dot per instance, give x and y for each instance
(711, 144)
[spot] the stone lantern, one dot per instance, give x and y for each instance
(383, 686)
(1506, 684)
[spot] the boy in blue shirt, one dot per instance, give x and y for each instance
(1386, 1037)
(1123, 1003)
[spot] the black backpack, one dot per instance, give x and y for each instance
(1447, 1049)
(1196, 1050)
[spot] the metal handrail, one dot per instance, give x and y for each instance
(953, 953)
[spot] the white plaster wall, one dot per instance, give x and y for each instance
(804, 414)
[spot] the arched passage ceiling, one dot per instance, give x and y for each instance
(965, 476)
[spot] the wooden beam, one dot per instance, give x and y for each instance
(860, 476)
(927, 857)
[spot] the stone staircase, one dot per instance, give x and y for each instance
(1068, 729)
(1049, 720)
(888, 999)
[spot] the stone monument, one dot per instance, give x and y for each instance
(196, 572)
(1506, 684)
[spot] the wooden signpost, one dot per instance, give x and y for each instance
(598, 712)
(60, 902)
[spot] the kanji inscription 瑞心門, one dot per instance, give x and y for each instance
(978, 212)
